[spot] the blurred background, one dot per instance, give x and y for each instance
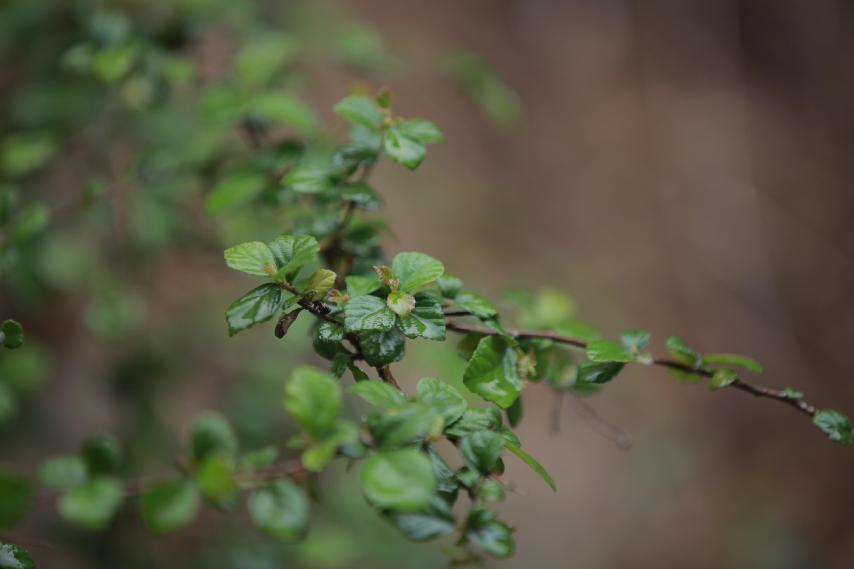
(678, 165)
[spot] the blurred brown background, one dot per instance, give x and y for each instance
(683, 166)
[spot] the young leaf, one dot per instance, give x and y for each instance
(682, 352)
(359, 109)
(607, 351)
(313, 398)
(836, 425)
(93, 505)
(280, 509)
(722, 378)
(492, 372)
(169, 505)
(416, 270)
(378, 394)
(367, 313)
(290, 252)
(401, 303)
(443, 398)
(421, 130)
(253, 258)
(15, 495)
(404, 150)
(747, 363)
(532, 463)
(401, 480)
(635, 340)
(482, 450)
(320, 282)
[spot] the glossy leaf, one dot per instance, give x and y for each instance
(382, 348)
(426, 320)
(492, 372)
(368, 313)
(401, 480)
(482, 450)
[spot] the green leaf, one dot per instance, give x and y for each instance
(635, 340)
(491, 491)
(320, 282)
(291, 253)
(382, 348)
(63, 472)
(283, 108)
(308, 179)
(401, 480)
(492, 372)
(607, 351)
(320, 453)
(532, 464)
(747, 363)
(253, 258)
(416, 270)
(259, 459)
(598, 372)
(514, 412)
(421, 130)
(436, 520)
(23, 152)
(256, 306)
(404, 150)
(367, 312)
(449, 286)
(15, 496)
(474, 420)
(361, 194)
(359, 285)
(93, 505)
(401, 303)
(443, 398)
(426, 320)
(327, 339)
(215, 477)
(280, 509)
(482, 450)
(397, 427)
(313, 398)
(378, 394)
(682, 352)
(235, 189)
(102, 454)
(15, 557)
(169, 505)
(11, 334)
(792, 393)
(359, 109)
(476, 304)
(211, 434)
(29, 223)
(836, 425)
(722, 378)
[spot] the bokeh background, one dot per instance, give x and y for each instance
(680, 165)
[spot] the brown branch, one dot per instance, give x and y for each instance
(739, 384)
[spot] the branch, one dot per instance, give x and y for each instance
(756, 390)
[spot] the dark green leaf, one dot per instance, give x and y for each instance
(215, 478)
(280, 509)
(15, 496)
(361, 194)
(434, 521)
(449, 286)
(102, 454)
(488, 534)
(474, 420)
(514, 412)
(169, 505)
(313, 398)
(598, 372)
(367, 312)
(492, 372)
(382, 348)
(11, 334)
(426, 320)
(482, 450)
(401, 480)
